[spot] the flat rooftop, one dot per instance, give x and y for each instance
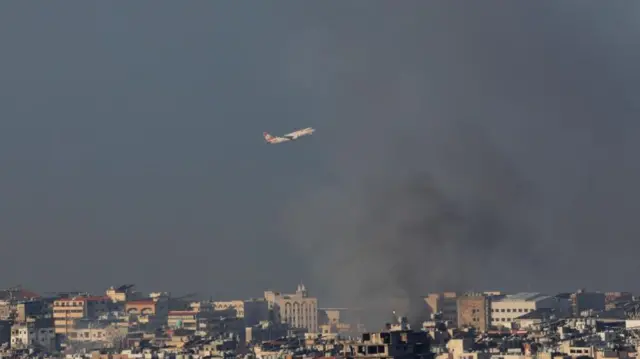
(522, 297)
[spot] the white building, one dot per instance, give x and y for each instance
(505, 309)
(30, 335)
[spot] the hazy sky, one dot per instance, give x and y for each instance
(131, 148)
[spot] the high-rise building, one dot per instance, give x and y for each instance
(298, 309)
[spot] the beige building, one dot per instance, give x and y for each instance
(183, 319)
(147, 311)
(298, 309)
(66, 311)
(506, 309)
(444, 303)
(236, 306)
(122, 294)
(463, 349)
(474, 311)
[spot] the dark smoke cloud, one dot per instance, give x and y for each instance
(470, 146)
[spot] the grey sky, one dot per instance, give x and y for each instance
(131, 148)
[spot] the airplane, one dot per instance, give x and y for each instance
(288, 137)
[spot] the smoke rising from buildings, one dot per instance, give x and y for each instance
(470, 147)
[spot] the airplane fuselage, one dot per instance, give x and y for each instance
(289, 136)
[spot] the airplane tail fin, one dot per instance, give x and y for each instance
(267, 136)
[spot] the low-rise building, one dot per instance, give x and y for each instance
(33, 335)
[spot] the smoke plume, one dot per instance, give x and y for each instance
(469, 146)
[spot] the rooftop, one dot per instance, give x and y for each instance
(524, 297)
(83, 299)
(141, 302)
(540, 313)
(21, 294)
(182, 312)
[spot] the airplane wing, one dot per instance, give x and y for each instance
(295, 134)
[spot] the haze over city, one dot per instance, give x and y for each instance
(459, 146)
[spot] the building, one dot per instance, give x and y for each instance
(615, 299)
(340, 321)
(586, 301)
(122, 293)
(298, 309)
(255, 311)
(474, 311)
(150, 312)
(7, 310)
(5, 331)
(207, 324)
(505, 309)
(264, 331)
(183, 319)
(66, 311)
(148, 307)
(444, 303)
(252, 311)
(38, 334)
(401, 344)
(234, 306)
(33, 308)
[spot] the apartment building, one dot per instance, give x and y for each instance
(67, 311)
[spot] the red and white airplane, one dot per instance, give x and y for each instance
(289, 136)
